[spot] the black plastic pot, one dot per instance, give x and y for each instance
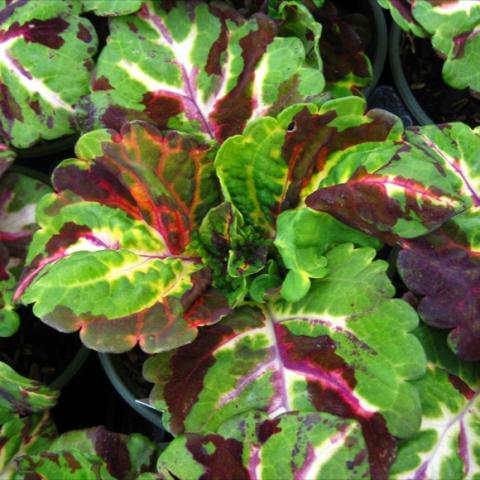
(122, 383)
(400, 80)
(72, 368)
(381, 41)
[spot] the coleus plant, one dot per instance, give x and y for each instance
(311, 360)
(31, 447)
(454, 29)
(19, 195)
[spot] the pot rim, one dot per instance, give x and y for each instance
(380, 52)
(109, 363)
(400, 80)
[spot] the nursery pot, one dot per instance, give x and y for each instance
(123, 384)
(72, 368)
(400, 80)
(380, 40)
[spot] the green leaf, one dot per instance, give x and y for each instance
(298, 21)
(111, 7)
(303, 238)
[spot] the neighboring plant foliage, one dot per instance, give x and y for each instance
(111, 7)
(343, 42)
(30, 447)
(447, 444)
(454, 28)
(44, 69)
(19, 195)
(197, 67)
(443, 268)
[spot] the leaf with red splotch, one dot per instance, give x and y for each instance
(94, 453)
(443, 270)
(300, 445)
(125, 456)
(114, 255)
(19, 196)
(197, 67)
(275, 163)
(447, 445)
(396, 190)
(65, 464)
(22, 396)
(41, 44)
(195, 456)
(23, 435)
(344, 349)
(454, 30)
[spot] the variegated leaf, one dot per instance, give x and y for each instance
(291, 446)
(401, 12)
(443, 268)
(91, 454)
(22, 396)
(197, 67)
(19, 195)
(114, 255)
(454, 28)
(344, 349)
(395, 190)
(447, 445)
(277, 162)
(20, 436)
(45, 63)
